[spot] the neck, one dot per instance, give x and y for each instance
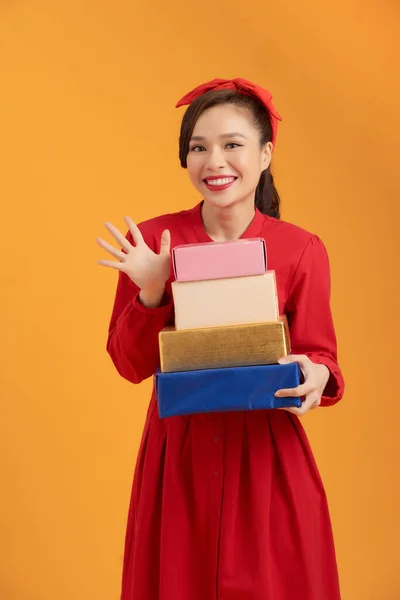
(227, 223)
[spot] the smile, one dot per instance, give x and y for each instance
(219, 184)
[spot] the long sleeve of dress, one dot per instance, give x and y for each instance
(133, 332)
(310, 318)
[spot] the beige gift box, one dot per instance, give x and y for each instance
(231, 301)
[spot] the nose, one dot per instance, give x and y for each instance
(215, 159)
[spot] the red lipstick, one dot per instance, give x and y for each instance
(213, 187)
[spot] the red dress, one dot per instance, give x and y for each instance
(229, 506)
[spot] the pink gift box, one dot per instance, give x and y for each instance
(219, 260)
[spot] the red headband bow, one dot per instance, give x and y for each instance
(244, 87)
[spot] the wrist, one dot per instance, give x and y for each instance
(151, 298)
(325, 374)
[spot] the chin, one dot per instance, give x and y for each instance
(220, 202)
(224, 202)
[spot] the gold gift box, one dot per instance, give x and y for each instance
(219, 347)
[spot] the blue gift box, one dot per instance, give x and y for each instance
(228, 389)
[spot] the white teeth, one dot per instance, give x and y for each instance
(220, 181)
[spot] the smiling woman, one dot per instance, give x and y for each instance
(227, 505)
(234, 134)
(221, 156)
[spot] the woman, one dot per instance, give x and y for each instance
(227, 506)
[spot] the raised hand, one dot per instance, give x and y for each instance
(148, 270)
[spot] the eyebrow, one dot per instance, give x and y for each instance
(199, 138)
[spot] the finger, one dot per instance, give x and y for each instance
(308, 403)
(294, 410)
(311, 400)
(113, 251)
(165, 242)
(300, 359)
(112, 264)
(117, 235)
(135, 231)
(291, 409)
(301, 390)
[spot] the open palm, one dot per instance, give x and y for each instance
(147, 269)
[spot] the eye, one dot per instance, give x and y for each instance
(230, 146)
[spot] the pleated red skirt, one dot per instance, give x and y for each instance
(228, 506)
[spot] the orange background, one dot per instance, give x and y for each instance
(89, 133)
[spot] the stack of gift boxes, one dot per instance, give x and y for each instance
(222, 352)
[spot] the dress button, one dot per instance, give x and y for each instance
(215, 473)
(216, 439)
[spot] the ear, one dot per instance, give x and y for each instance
(266, 155)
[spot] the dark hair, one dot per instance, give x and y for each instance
(266, 197)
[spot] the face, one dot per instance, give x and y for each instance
(225, 158)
